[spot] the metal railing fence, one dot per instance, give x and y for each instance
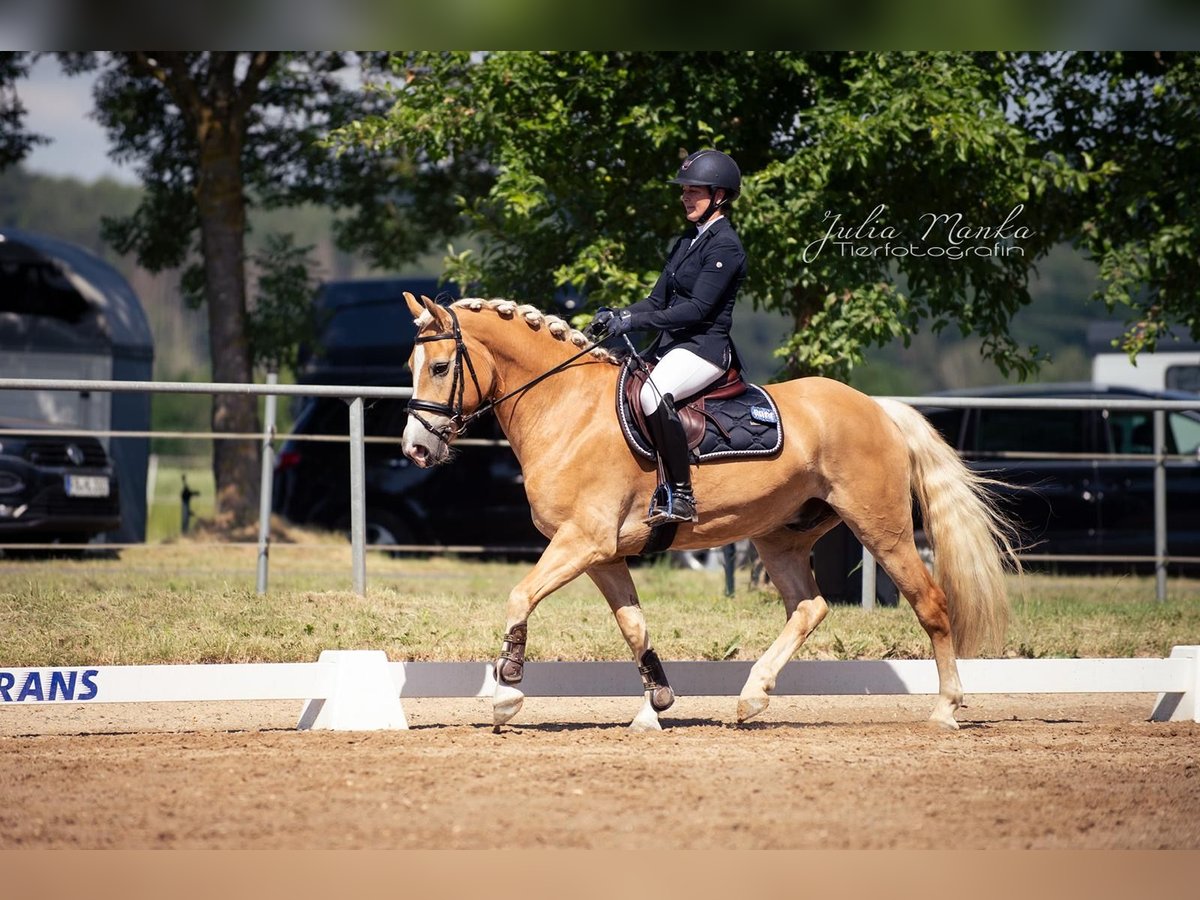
(355, 395)
(1159, 408)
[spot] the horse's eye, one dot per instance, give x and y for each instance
(439, 368)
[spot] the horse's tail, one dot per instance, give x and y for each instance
(971, 539)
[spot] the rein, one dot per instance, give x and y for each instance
(454, 410)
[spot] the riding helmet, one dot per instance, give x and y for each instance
(713, 169)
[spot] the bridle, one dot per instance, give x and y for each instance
(458, 386)
(453, 411)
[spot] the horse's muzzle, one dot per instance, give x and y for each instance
(425, 449)
(427, 453)
(419, 455)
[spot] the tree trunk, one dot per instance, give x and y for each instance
(222, 209)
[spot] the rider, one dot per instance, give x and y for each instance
(691, 308)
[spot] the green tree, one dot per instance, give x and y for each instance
(945, 194)
(1134, 116)
(66, 208)
(273, 328)
(215, 133)
(15, 141)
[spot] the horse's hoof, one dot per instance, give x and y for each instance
(946, 723)
(646, 720)
(641, 725)
(662, 698)
(749, 707)
(506, 703)
(943, 714)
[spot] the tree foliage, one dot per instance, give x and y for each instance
(945, 193)
(15, 140)
(281, 321)
(214, 132)
(1134, 117)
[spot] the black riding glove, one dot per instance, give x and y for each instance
(608, 323)
(620, 323)
(600, 321)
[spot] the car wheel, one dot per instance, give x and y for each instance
(382, 529)
(387, 530)
(48, 552)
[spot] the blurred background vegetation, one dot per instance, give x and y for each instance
(1057, 320)
(72, 209)
(255, 167)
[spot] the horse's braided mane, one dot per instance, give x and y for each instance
(559, 328)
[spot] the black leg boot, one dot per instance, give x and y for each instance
(671, 443)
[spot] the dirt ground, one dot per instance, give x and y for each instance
(1065, 771)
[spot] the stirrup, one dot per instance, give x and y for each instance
(672, 505)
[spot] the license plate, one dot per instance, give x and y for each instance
(87, 485)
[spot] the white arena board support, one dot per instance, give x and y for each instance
(362, 697)
(360, 690)
(1182, 706)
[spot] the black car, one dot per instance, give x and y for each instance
(54, 489)
(1081, 506)
(363, 331)
(1083, 503)
(478, 500)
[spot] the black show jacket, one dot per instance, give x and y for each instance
(691, 304)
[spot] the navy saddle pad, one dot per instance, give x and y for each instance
(744, 426)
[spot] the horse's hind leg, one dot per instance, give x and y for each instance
(615, 583)
(904, 566)
(785, 555)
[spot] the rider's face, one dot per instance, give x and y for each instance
(696, 200)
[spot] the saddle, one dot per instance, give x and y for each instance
(731, 418)
(690, 409)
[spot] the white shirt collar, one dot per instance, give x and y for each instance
(700, 229)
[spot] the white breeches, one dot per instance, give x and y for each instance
(679, 373)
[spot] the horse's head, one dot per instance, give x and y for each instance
(446, 388)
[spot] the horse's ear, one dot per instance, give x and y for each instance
(426, 307)
(414, 305)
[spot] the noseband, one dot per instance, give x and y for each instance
(458, 383)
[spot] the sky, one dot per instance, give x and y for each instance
(59, 107)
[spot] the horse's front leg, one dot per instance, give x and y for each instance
(618, 589)
(567, 555)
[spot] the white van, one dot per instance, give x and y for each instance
(1175, 366)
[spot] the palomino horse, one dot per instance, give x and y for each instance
(846, 457)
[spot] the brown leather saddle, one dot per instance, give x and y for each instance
(691, 409)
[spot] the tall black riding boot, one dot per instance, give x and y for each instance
(679, 504)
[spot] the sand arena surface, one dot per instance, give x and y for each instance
(1059, 771)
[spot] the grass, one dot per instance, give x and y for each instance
(164, 511)
(187, 601)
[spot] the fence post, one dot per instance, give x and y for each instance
(358, 503)
(1160, 505)
(266, 484)
(868, 579)
(729, 558)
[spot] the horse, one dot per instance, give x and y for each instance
(846, 458)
